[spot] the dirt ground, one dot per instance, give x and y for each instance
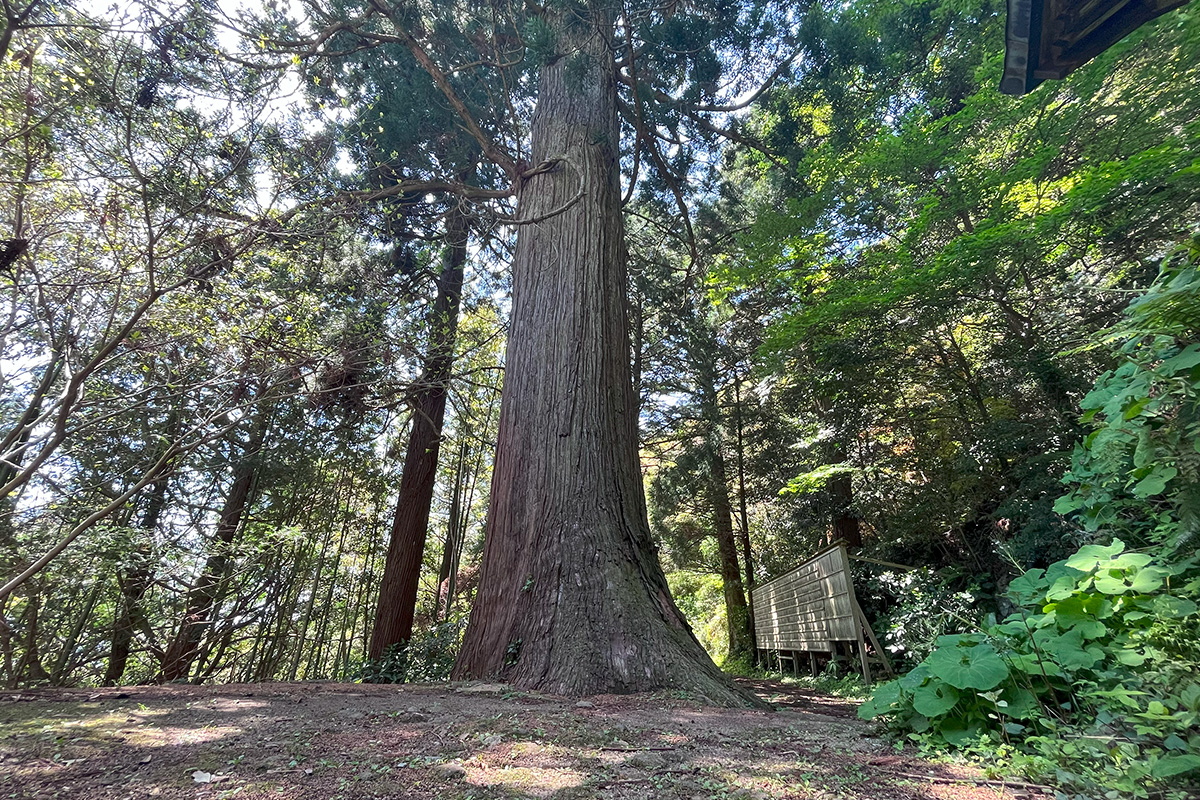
(326, 741)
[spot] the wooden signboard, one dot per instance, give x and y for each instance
(808, 608)
(811, 608)
(1049, 39)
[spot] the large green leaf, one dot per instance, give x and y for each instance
(1063, 587)
(1091, 556)
(1130, 658)
(1018, 703)
(885, 699)
(1156, 482)
(935, 698)
(977, 667)
(1169, 766)
(1067, 649)
(1029, 587)
(1142, 581)
(959, 733)
(1080, 613)
(914, 678)
(1032, 664)
(1181, 362)
(1174, 607)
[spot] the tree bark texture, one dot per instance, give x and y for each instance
(572, 599)
(402, 567)
(133, 579)
(455, 524)
(844, 523)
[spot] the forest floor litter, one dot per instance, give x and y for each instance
(331, 741)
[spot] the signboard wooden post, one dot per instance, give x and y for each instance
(813, 607)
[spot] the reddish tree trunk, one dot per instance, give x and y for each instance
(402, 569)
(572, 599)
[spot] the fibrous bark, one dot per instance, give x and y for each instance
(402, 569)
(743, 516)
(572, 599)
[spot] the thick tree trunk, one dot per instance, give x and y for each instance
(572, 599)
(181, 653)
(402, 568)
(844, 523)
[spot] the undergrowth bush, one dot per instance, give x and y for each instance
(426, 658)
(1094, 681)
(1096, 677)
(924, 605)
(834, 680)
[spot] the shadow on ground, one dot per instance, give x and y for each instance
(325, 741)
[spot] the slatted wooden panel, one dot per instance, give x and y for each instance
(808, 608)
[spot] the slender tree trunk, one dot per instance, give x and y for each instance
(134, 581)
(737, 613)
(475, 473)
(402, 568)
(30, 669)
(314, 585)
(181, 653)
(135, 576)
(452, 530)
(63, 666)
(274, 642)
(326, 615)
(743, 516)
(572, 599)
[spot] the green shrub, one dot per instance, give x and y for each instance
(1138, 471)
(426, 658)
(1098, 672)
(921, 606)
(1094, 681)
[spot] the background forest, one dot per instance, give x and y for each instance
(242, 340)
